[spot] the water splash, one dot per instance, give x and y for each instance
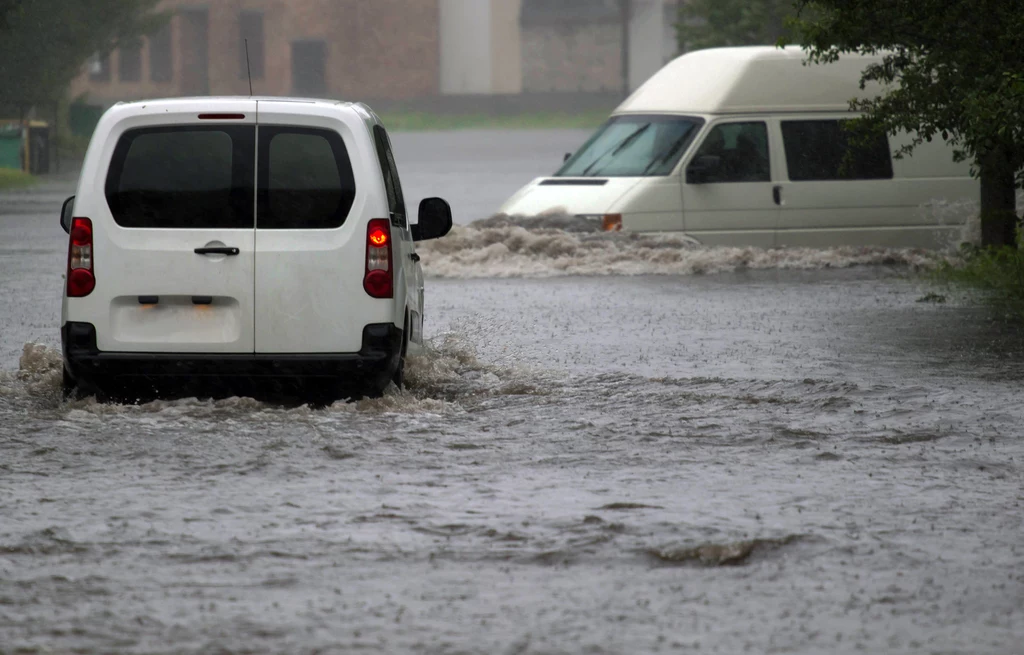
(438, 380)
(38, 374)
(508, 247)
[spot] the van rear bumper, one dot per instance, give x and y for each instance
(371, 367)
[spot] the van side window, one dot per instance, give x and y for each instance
(821, 150)
(186, 177)
(393, 186)
(305, 179)
(742, 152)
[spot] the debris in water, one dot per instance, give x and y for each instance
(731, 554)
(623, 506)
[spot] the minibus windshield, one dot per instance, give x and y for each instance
(633, 146)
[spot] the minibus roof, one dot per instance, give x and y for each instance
(754, 79)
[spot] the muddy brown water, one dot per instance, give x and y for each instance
(792, 457)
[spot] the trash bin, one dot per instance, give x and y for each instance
(39, 148)
(13, 137)
(10, 145)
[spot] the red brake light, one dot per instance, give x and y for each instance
(80, 283)
(80, 278)
(379, 237)
(81, 232)
(379, 278)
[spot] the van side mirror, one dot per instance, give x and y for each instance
(67, 211)
(435, 220)
(568, 155)
(703, 169)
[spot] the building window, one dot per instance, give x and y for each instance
(309, 68)
(129, 67)
(99, 68)
(160, 55)
(251, 31)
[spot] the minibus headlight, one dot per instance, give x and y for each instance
(608, 222)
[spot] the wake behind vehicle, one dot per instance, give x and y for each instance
(223, 240)
(748, 147)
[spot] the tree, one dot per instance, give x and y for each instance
(44, 43)
(7, 9)
(950, 69)
(716, 23)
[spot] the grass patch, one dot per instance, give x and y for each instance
(996, 274)
(411, 121)
(11, 178)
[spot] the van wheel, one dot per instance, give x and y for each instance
(399, 377)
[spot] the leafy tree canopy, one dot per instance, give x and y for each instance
(44, 43)
(951, 69)
(716, 23)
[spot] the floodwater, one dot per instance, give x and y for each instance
(613, 445)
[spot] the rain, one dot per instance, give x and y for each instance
(625, 441)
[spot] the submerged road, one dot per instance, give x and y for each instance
(801, 458)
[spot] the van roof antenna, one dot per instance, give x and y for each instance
(248, 69)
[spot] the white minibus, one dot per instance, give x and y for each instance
(747, 147)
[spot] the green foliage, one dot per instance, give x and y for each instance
(998, 273)
(7, 9)
(44, 43)
(15, 179)
(409, 121)
(950, 69)
(717, 23)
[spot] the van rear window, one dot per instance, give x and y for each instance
(186, 177)
(305, 179)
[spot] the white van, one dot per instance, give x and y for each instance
(745, 146)
(215, 240)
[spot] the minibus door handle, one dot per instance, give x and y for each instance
(217, 251)
(777, 194)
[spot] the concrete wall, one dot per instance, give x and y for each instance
(507, 42)
(646, 40)
(480, 47)
(466, 46)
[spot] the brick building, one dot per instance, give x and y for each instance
(576, 45)
(388, 49)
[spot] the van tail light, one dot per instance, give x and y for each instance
(379, 278)
(81, 280)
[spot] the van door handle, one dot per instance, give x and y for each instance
(217, 251)
(777, 194)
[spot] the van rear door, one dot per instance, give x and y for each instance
(311, 231)
(174, 235)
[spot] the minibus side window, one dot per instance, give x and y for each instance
(821, 150)
(305, 179)
(741, 150)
